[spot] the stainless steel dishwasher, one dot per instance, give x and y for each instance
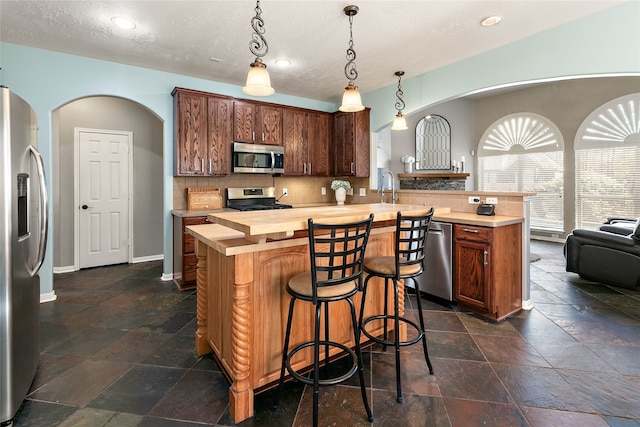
(437, 278)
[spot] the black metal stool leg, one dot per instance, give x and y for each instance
(362, 301)
(316, 365)
(363, 389)
(424, 334)
(285, 351)
(386, 312)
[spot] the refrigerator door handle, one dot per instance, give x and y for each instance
(44, 213)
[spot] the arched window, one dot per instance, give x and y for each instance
(607, 150)
(523, 152)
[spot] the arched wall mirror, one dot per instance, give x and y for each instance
(433, 143)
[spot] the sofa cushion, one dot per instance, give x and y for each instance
(636, 233)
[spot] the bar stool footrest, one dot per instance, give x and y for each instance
(391, 318)
(325, 381)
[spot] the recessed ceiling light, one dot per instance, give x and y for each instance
(283, 62)
(123, 23)
(490, 21)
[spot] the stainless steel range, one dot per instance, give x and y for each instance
(254, 199)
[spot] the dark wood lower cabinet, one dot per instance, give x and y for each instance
(488, 269)
(184, 256)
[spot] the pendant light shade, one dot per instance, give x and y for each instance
(351, 100)
(399, 122)
(258, 80)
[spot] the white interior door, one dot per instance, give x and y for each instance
(103, 197)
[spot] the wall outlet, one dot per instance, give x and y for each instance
(492, 200)
(363, 192)
(474, 200)
(323, 191)
(285, 192)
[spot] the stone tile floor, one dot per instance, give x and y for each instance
(117, 350)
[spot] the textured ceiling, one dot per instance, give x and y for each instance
(182, 36)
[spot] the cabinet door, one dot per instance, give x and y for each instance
(319, 143)
(472, 274)
(343, 144)
(295, 144)
(361, 143)
(244, 116)
(270, 125)
(190, 133)
(351, 143)
(220, 129)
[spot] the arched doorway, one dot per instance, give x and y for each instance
(119, 114)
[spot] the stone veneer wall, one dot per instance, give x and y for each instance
(433, 184)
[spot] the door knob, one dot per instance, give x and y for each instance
(85, 207)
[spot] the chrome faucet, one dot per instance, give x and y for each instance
(393, 186)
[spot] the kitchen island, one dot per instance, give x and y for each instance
(244, 262)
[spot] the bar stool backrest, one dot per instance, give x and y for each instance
(411, 240)
(337, 253)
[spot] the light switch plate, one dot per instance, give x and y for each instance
(363, 192)
(492, 200)
(323, 191)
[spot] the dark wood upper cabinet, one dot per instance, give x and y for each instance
(257, 123)
(220, 131)
(351, 143)
(202, 133)
(307, 140)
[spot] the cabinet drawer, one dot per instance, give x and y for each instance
(471, 232)
(194, 220)
(189, 268)
(189, 244)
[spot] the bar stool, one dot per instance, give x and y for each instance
(337, 253)
(407, 262)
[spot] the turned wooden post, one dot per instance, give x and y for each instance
(202, 345)
(241, 391)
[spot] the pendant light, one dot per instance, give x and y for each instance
(258, 81)
(351, 100)
(399, 122)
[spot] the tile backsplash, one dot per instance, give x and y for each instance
(302, 190)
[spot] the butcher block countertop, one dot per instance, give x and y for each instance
(257, 226)
(279, 224)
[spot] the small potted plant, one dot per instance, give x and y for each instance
(340, 187)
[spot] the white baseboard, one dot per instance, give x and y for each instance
(166, 277)
(66, 269)
(527, 304)
(49, 297)
(159, 257)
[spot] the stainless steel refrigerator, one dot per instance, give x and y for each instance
(23, 238)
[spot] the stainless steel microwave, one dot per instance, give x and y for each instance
(256, 158)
